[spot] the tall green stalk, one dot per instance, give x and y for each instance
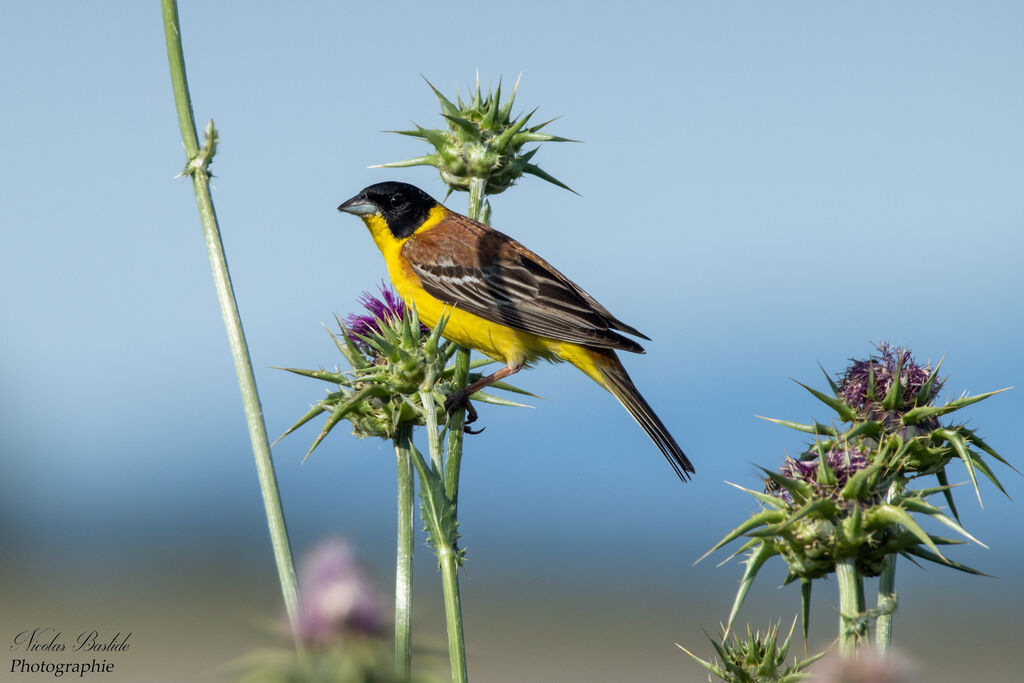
(886, 606)
(852, 626)
(198, 162)
(403, 568)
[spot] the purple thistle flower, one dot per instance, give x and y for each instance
(337, 599)
(853, 385)
(389, 307)
(844, 462)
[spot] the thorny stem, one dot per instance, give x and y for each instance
(852, 626)
(403, 568)
(887, 600)
(453, 463)
(453, 614)
(198, 161)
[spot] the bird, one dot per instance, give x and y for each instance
(501, 299)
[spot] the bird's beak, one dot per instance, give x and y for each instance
(359, 206)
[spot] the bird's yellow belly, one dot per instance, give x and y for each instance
(497, 341)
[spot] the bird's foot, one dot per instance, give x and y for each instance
(460, 399)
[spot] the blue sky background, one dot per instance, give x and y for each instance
(763, 188)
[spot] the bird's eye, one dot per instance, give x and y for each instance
(396, 201)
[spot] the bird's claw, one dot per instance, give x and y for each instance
(460, 399)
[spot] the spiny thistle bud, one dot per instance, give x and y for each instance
(482, 141)
(755, 659)
(394, 359)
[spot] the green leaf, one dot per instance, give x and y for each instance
(924, 395)
(766, 498)
(924, 508)
(446, 105)
(960, 446)
(920, 413)
(754, 563)
(947, 492)
(335, 417)
(871, 428)
(313, 412)
(832, 385)
(758, 519)
(885, 514)
(972, 437)
(483, 397)
(706, 664)
(436, 508)
(426, 160)
(801, 491)
(894, 396)
(846, 413)
(331, 377)
(805, 606)
(535, 170)
(817, 428)
(924, 554)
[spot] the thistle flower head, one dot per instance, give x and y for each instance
(867, 384)
(338, 601)
(827, 479)
(389, 308)
(482, 140)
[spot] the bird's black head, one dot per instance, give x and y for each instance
(402, 205)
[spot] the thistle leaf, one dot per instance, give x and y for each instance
(947, 492)
(535, 170)
(754, 563)
(846, 413)
(313, 412)
(886, 514)
(817, 428)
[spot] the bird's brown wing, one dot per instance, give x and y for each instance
(482, 271)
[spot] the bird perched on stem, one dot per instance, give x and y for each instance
(501, 299)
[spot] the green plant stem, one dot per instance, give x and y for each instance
(453, 613)
(453, 464)
(453, 459)
(852, 627)
(198, 160)
(403, 568)
(433, 438)
(887, 601)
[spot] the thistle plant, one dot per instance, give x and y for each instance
(755, 659)
(847, 504)
(398, 380)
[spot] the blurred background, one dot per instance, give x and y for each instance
(763, 189)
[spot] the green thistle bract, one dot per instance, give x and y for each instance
(482, 140)
(755, 659)
(393, 359)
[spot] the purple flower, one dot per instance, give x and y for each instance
(389, 307)
(337, 600)
(854, 384)
(844, 462)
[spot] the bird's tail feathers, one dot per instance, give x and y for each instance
(613, 377)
